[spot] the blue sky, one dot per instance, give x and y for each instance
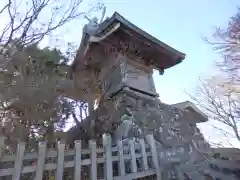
(182, 25)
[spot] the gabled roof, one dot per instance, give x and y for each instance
(197, 115)
(117, 22)
(233, 153)
(118, 18)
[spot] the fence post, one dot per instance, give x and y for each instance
(78, 159)
(121, 158)
(18, 161)
(152, 144)
(60, 161)
(2, 139)
(41, 160)
(180, 175)
(144, 154)
(107, 144)
(133, 156)
(93, 147)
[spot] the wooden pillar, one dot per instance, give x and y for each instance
(2, 139)
(107, 143)
(60, 160)
(154, 156)
(18, 161)
(41, 160)
(90, 105)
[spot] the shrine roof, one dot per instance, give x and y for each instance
(197, 115)
(153, 49)
(118, 18)
(233, 153)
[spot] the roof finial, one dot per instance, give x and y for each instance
(93, 24)
(103, 14)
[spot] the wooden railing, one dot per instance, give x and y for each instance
(141, 156)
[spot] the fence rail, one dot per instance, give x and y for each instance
(141, 158)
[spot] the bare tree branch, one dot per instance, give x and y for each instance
(5, 7)
(30, 29)
(30, 100)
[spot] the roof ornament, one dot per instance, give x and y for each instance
(93, 24)
(161, 71)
